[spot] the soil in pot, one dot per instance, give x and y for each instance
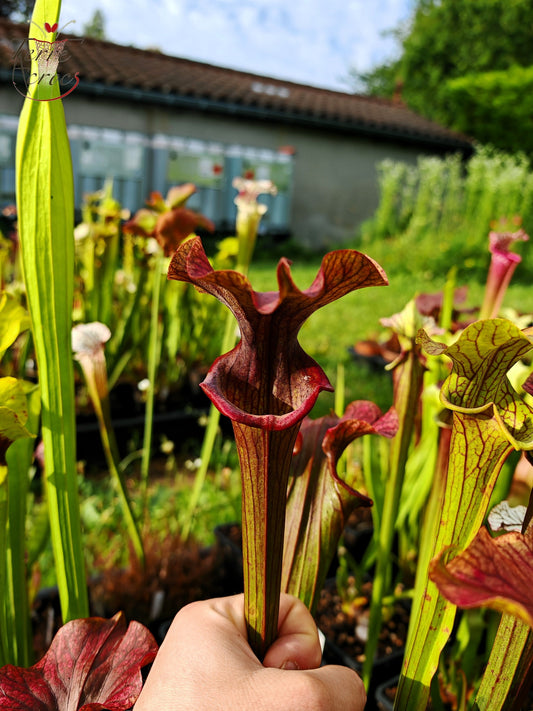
(346, 626)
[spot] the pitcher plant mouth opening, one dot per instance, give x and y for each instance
(268, 380)
(270, 409)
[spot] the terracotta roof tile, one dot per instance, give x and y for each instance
(104, 64)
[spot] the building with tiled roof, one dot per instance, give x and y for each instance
(149, 120)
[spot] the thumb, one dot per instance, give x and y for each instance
(297, 645)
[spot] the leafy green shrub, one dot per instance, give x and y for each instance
(438, 213)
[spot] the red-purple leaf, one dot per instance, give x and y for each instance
(431, 304)
(491, 572)
(92, 665)
(176, 225)
(168, 220)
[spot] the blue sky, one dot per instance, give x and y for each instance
(306, 41)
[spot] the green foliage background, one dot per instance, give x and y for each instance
(438, 214)
(467, 65)
(497, 105)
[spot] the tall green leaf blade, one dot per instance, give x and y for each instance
(501, 679)
(45, 198)
(4, 632)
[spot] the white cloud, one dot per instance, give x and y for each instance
(306, 41)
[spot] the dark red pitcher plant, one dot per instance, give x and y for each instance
(266, 385)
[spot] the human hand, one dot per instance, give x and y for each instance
(206, 664)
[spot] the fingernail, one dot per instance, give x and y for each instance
(289, 664)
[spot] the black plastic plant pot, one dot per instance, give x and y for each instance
(229, 538)
(384, 696)
(178, 426)
(384, 672)
(357, 540)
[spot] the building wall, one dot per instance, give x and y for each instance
(334, 185)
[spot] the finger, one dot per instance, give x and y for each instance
(329, 688)
(342, 688)
(297, 645)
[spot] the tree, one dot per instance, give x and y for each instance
(95, 28)
(449, 40)
(384, 79)
(495, 106)
(379, 81)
